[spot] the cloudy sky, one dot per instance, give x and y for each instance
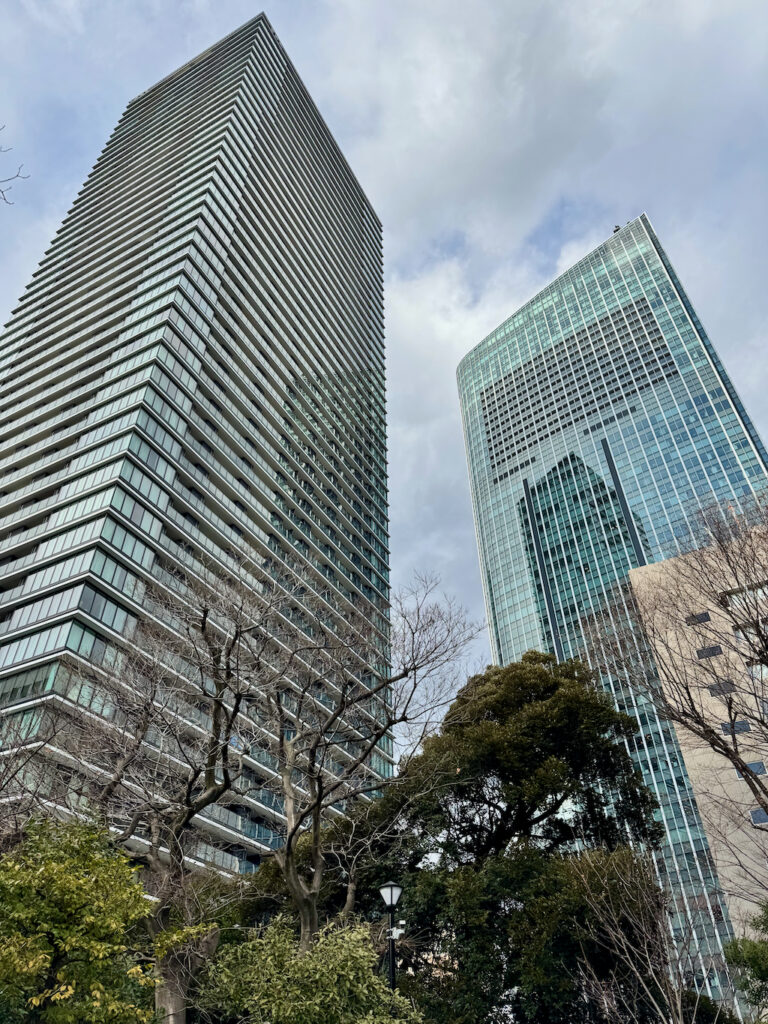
(499, 140)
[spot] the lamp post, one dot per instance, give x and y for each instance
(390, 893)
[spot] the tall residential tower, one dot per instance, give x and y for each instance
(598, 420)
(194, 375)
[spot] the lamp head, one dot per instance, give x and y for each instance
(390, 893)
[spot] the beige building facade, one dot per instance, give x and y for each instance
(702, 618)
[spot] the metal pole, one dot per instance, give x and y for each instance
(392, 947)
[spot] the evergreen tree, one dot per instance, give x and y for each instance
(68, 900)
(530, 765)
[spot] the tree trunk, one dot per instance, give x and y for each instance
(307, 910)
(349, 902)
(171, 995)
(304, 897)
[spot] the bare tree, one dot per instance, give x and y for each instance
(356, 844)
(657, 971)
(251, 691)
(24, 778)
(6, 184)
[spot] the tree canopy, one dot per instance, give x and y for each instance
(67, 901)
(268, 978)
(531, 752)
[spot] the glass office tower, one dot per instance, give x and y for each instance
(598, 420)
(194, 374)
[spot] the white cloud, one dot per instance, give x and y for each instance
(57, 15)
(498, 141)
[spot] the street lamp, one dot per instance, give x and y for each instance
(390, 893)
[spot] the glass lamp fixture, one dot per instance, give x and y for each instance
(390, 893)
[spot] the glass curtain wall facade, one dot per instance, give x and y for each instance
(598, 421)
(195, 373)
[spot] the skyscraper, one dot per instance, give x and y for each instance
(195, 372)
(598, 420)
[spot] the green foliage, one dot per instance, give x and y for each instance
(530, 751)
(506, 935)
(67, 900)
(700, 1009)
(267, 980)
(529, 761)
(750, 957)
(175, 940)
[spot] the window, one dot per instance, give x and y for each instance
(709, 652)
(721, 687)
(740, 726)
(697, 618)
(80, 508)
(34, 645)
(70, 539)
(90, 645)
(758, 767)
(47, 607)
(55, 573)
(759, 816)
(23, 684)
(137, 514)
(94, 603)
(131, 546)
(115, 574)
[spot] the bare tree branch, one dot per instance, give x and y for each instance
(6, 184)
(656, 974)
(256, 705)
